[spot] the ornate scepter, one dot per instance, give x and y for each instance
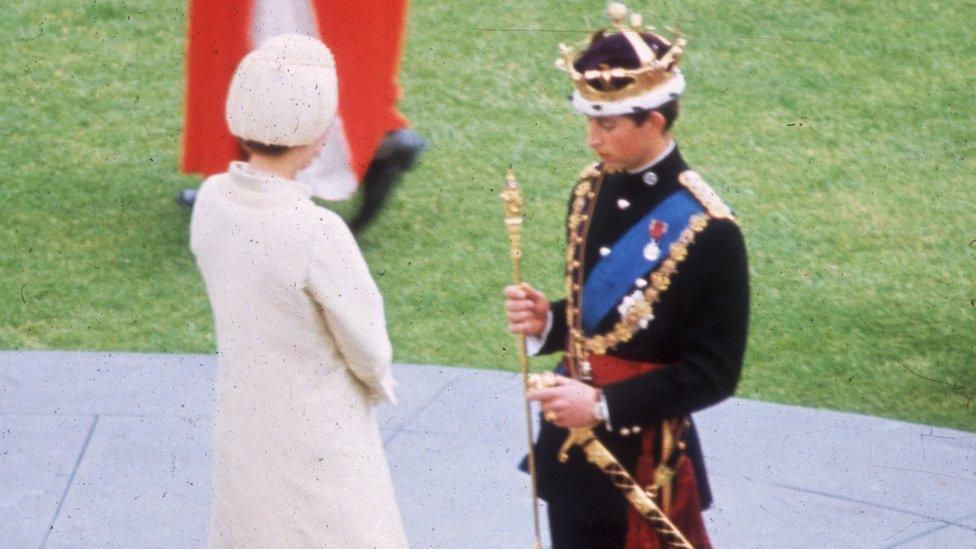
(511, 196)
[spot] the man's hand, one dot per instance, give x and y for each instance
(569, 403)
(527, 310)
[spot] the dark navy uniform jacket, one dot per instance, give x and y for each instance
(698, 332)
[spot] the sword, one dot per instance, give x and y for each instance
(597, 454)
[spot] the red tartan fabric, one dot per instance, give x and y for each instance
(685, 511)
(365, 37)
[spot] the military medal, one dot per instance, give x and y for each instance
(656, 229)
(652, 251)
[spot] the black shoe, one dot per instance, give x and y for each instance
(402, 147)
(396, 154)
(186, 198)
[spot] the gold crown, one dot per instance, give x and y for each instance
(651, 74)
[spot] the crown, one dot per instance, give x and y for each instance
(610, 90)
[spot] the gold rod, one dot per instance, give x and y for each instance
(511, 196)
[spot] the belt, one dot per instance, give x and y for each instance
(608, 369)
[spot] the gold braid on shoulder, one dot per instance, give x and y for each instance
(704, 193)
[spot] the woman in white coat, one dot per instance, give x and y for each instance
(303, 351)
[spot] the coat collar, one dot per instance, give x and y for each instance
(266, 185)
(659, 175)
(657, 159)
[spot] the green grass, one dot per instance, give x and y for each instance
(841, 132)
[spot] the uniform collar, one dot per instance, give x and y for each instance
(657, 159)
(661, 172)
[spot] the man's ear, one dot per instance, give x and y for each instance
(658, 121)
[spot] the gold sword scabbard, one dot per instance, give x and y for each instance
(598, 454)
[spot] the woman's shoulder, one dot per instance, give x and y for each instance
(323, 219)
(326, 228)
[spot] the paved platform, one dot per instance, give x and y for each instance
(113, 450)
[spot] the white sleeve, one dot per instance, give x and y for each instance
(533, 344)
(340, 282)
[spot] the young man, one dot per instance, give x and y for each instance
(303, 352)
(653, 327)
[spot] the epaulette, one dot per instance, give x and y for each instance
(705, 195)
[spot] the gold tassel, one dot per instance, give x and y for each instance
(667, 445)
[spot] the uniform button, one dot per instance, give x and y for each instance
(623, 203)
(636, 429)
(640, 283)
(625, 432)
(604, 250)
(650, 178)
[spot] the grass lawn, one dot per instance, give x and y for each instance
(843, 133)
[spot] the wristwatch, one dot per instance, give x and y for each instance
(600, 409)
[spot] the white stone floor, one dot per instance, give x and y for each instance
(113, 450)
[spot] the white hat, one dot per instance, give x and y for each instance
(284, 93)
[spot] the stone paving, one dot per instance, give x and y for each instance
(113, 450)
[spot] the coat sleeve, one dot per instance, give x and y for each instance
(340, 283)
(556, 338)
(712, 332)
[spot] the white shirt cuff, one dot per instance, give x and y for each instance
(533, 344)
(605, 412)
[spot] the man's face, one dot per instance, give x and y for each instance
(620, 143)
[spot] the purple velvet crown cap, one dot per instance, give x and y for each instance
(613, 50)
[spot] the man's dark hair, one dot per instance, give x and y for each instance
(257, 147)
(668, 110)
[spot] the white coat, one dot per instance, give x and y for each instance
(303, 356)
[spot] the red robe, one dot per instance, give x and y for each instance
(365, 37)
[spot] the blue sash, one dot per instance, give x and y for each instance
(614, 275)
